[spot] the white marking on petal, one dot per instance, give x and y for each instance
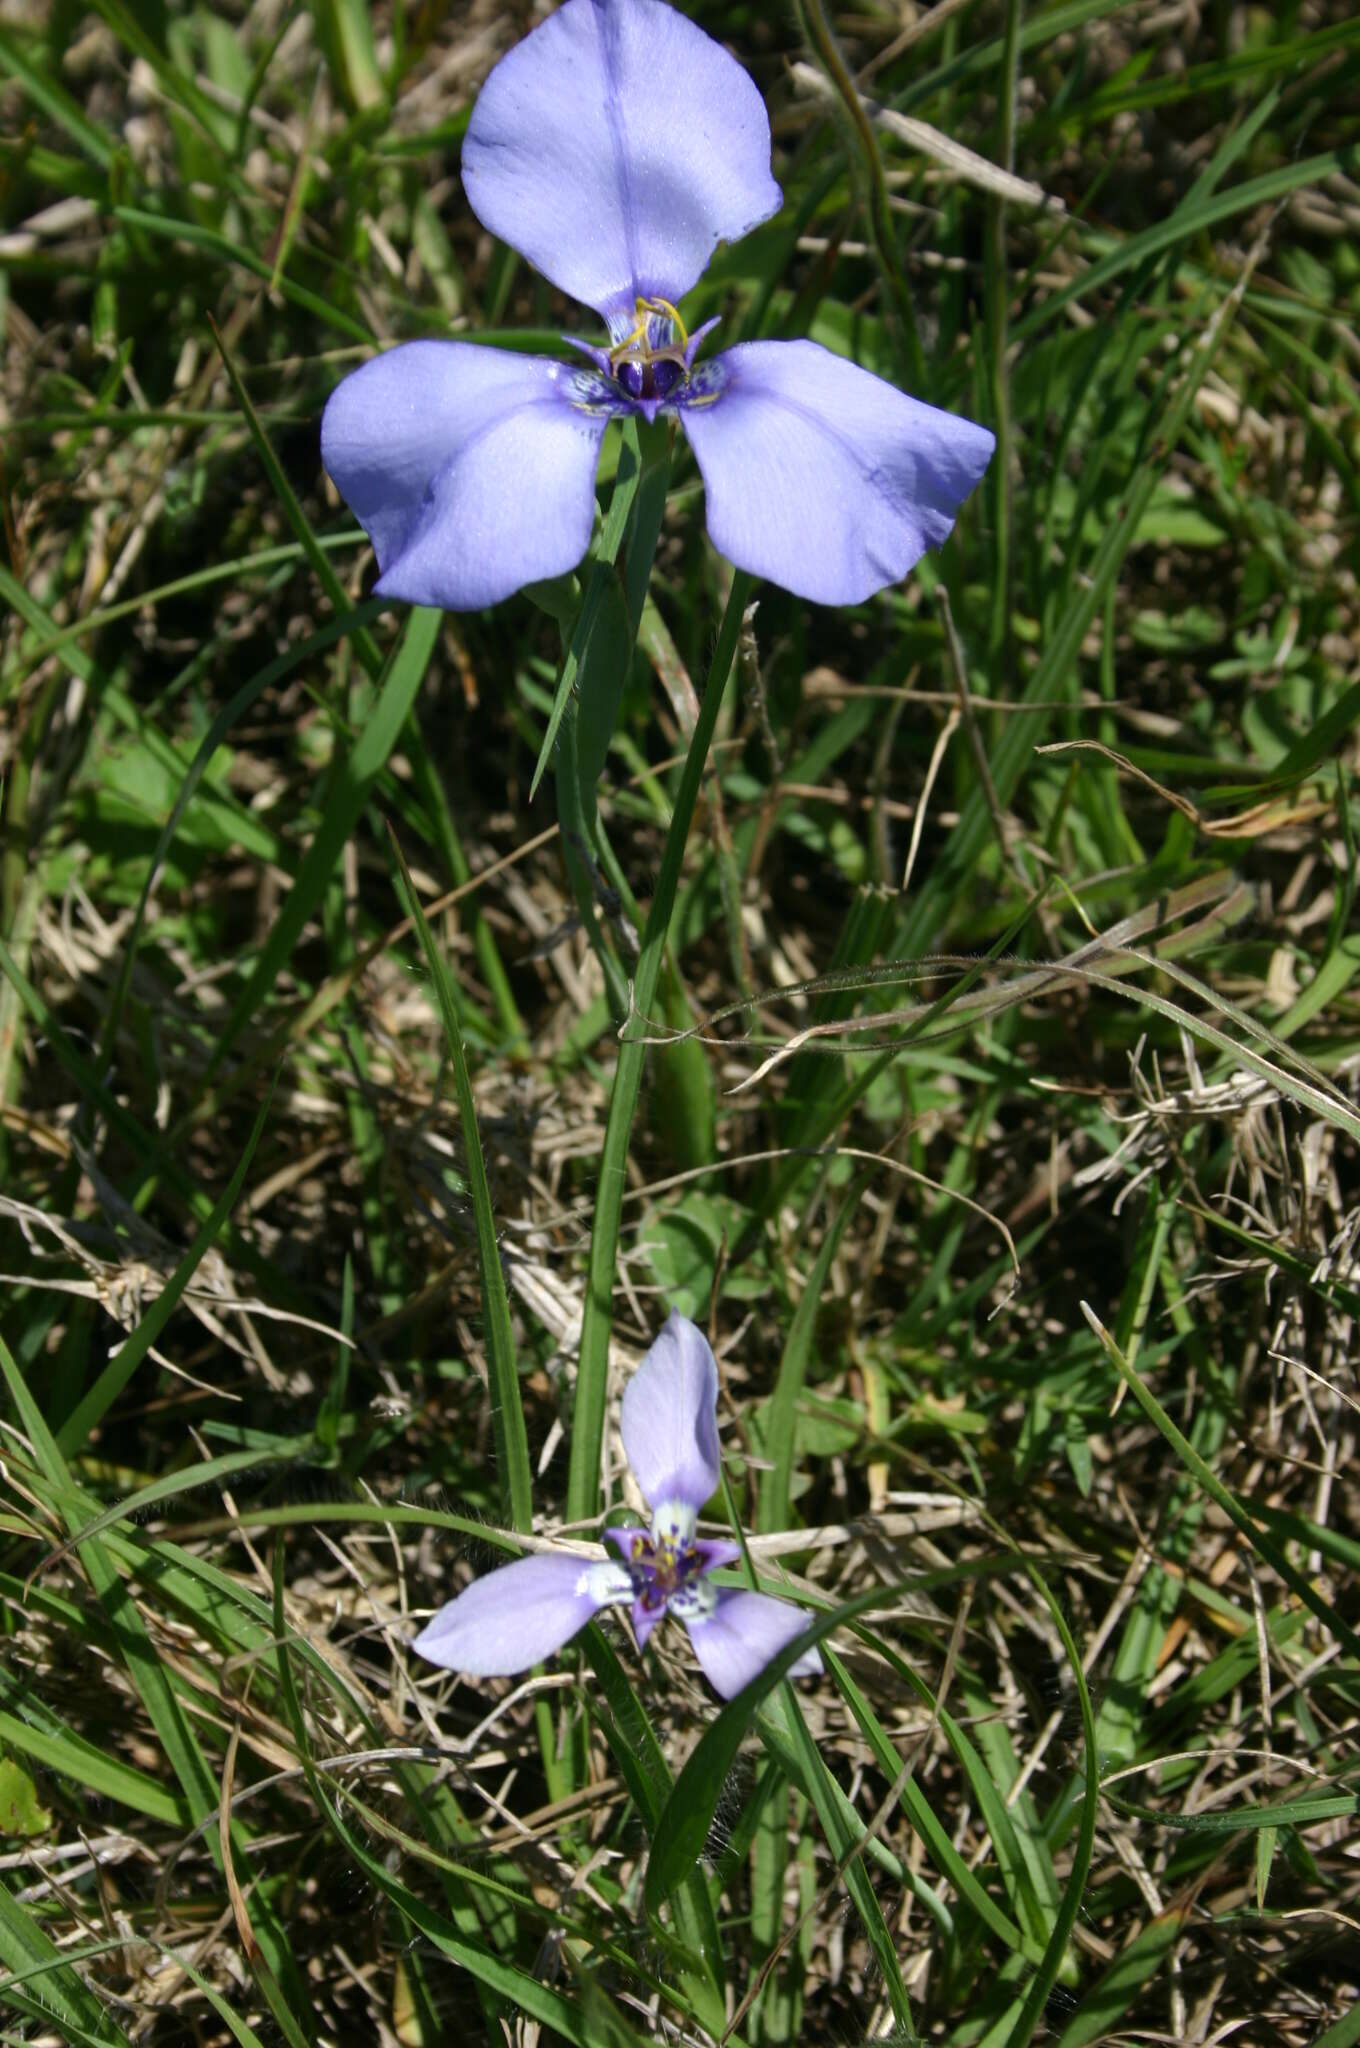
(608, 1585)
(695, 1603)
(674, 1523)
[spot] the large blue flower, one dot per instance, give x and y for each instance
(615, 147)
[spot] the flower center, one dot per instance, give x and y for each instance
(660, 1566)
(650, 361)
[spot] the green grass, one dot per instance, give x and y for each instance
(399, 1012)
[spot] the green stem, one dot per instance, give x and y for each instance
(589, 717)
(654, 453)
(592, 1381)
(460, 868)
(579, 854)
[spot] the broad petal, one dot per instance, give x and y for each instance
(821, 477)
(741, 1635)
(472, 470)
(615, 147)
(511, 1618)
(670, 1418)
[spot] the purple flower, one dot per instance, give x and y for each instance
(615, 147)
(508, 1620)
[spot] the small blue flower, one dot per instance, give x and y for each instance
(503, 1623)
(615, 147)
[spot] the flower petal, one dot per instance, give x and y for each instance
(741, 1635)
(509, 1619)
(670, 1418)
(615, 147)
(471, 469)
(645, 1620)
(821, 477)
(624, 1537)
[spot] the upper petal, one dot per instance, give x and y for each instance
(615, 147)
(510, 1618)
(670, 1417)
(739, 1637)
(471, 469)
(821, 477)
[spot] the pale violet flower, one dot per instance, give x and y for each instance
(615, 147)
(503, 1623)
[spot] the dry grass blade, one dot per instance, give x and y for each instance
(951, 155)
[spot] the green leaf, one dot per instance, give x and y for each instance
(85, 1763)
(845, 1842)
(596, 602)
(1104, 2012)
(21, 1811)
(1266, 1841)
(682, 1108)
(606, 649)
(687, 1816)
(507, 1413)
(1195, 216)
(95, 1405)
(210, 243)
(684, 1244)
(53, 100)
(348, 791)
(781, 1425)
(1262, 1544)
(643, 1765)
(345, 32)
(924, 1820)
(59, 1992)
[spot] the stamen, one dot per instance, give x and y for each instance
(668, 311)
(666, 1561)
(633, 362)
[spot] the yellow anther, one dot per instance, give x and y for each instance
(637, 338)
(664, 307)
(635, 348)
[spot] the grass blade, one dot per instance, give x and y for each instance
(1209, 1480)
(781, 1429)
(350, 785)
(507, 1413)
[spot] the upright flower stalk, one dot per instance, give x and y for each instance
(512, 1618)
